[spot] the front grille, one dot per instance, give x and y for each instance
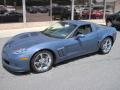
(7, 62)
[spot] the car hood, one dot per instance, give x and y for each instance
(26, 40)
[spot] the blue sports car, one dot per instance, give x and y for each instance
(38, 51)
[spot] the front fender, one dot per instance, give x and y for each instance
(45, 46)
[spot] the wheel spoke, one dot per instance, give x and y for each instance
(37, 64)
(41, 55)
(104, 46)
(47, 59)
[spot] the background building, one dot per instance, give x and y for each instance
(46, 10)
(117, 5)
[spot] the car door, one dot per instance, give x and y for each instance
(89, 39)
(83, 41)
(71, 47)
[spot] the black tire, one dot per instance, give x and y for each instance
(32, 63)
(102, 50)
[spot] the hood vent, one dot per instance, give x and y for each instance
(24, 36)
(28, 35)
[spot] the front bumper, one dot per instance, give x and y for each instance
(14, 64)
(13, 68)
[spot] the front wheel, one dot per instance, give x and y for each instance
(106, 45)
(42, 61)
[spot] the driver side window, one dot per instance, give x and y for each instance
(84, 29)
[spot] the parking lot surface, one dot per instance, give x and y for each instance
(91, 72)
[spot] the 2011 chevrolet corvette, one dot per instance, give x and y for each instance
(38, 51)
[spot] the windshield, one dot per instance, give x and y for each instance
(59, 30)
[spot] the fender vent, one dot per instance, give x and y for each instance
(61, 52)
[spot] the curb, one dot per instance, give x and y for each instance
(9, 33)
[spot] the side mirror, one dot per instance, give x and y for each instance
(79, 36)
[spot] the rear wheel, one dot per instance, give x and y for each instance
(42, 61)
(106, 45)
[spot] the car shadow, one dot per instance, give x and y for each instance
(76, 58)
(17, 73)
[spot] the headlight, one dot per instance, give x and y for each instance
(20, 51)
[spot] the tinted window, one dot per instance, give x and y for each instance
(84, 29)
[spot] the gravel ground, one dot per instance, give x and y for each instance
(93, 72)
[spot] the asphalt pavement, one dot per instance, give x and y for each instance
(91, 72)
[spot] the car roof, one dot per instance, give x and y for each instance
(78, 22)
